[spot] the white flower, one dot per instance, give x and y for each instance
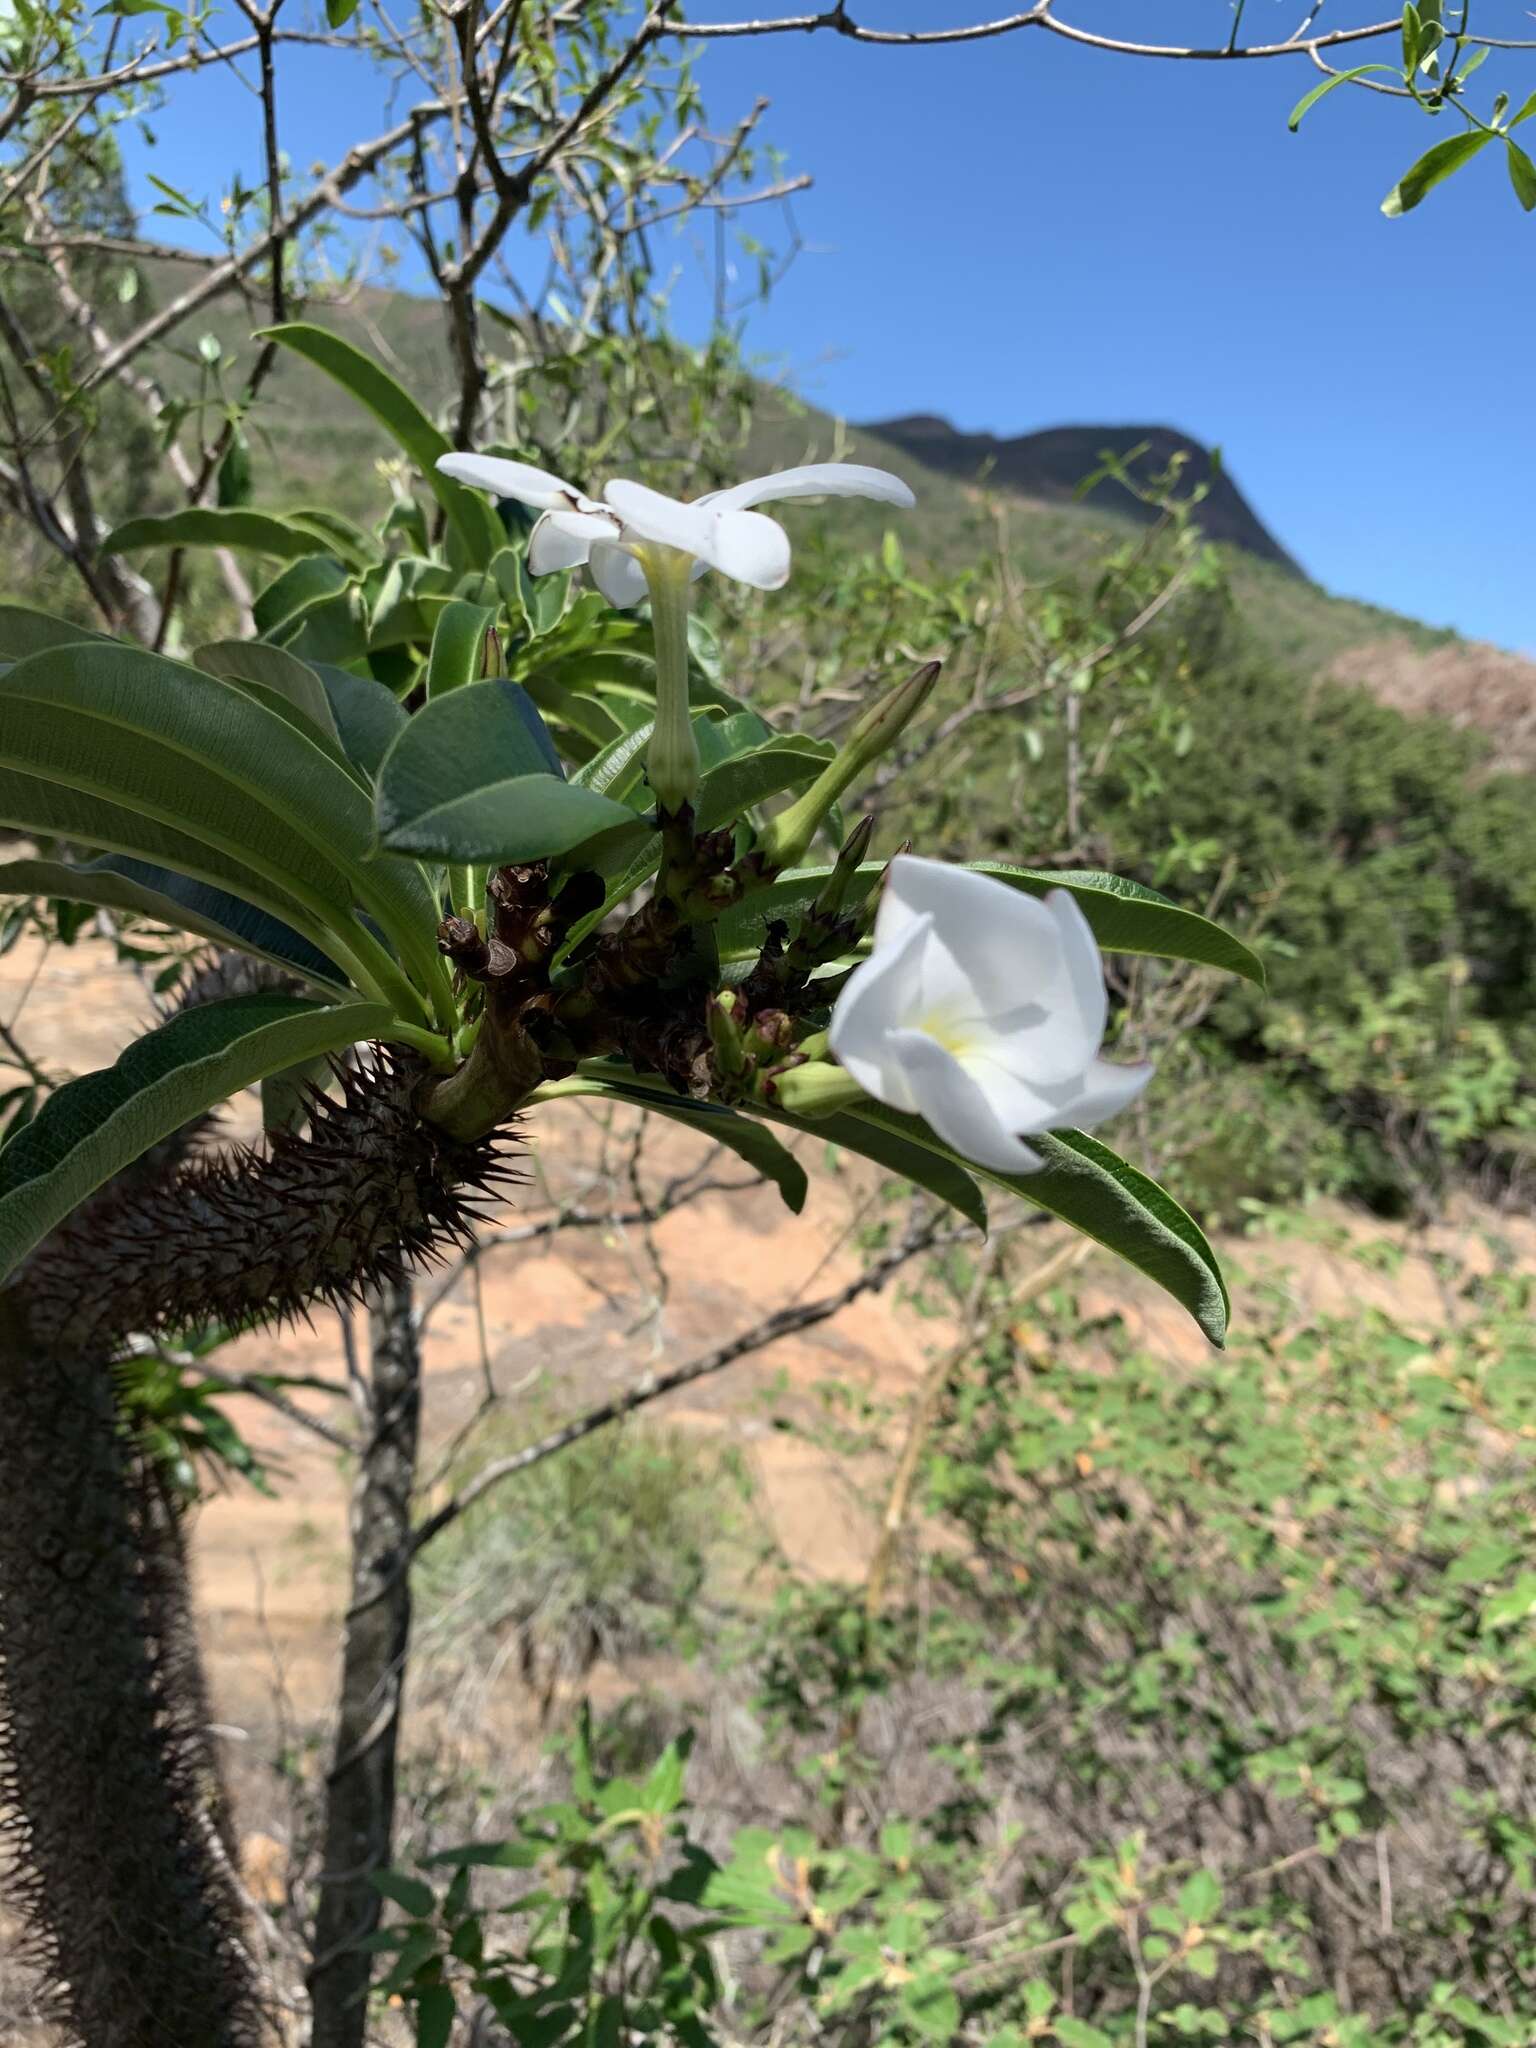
(982, 1010)
(619, 536)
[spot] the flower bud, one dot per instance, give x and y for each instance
(725, 1034)
(815, 1089)
(845, 873)
(788, 838)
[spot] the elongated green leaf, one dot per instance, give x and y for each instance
(898, 1154)
(577, 711)
(617, 769)
(1433, 168)
(287, 535)
(300, 585)
(347, 538)
(743, 1135)
(474, 777)
(331, 629)
(52, 810)
(1309, 100)
(274, 670)
(1107, 1199)
(468, 512)
(368, 717)
(1522, 175)
(24, 631)
(457, 641)
(94, 1127)
(119, 883)
(206, 760)
(1126, 918)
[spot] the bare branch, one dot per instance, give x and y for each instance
(784, 1322)
(837, 21)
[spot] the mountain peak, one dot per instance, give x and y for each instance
(1049, 465)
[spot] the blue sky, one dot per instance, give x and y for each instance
(1019, 233)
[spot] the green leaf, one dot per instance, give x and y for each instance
(152, 736)
(743, 1135)
(368, 717)
(299, 586)
(1522, 175)
(234, 479)
(472, 519)
(1432, 169)
(331, 629)
(92, 1128)
(1200, 1897)
(24, 631)
(618, 767)
(744, 779)
(408, 1893)
(1128, 918)
(286, 535)
(120, 883)
(1514, 121)
(1412, 27)
(1078, 2034)
(276, 673)
(1125, 917)
(339, 12)
(434, 2002)
(1107, 1199)
(456, 645)
(919, 1163)
(51, 810)
(347, 538)
(474, 777)
(1308, 101)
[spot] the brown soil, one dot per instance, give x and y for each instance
(1473, 686)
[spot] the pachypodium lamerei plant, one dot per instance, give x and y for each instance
(512, 919)
(490, 843)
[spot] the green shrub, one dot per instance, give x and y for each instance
(1209, 1720)
(603, 1551)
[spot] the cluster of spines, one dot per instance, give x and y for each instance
(257, 1235)
(104, 1762)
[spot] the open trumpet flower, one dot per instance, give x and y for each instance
(982, 1010)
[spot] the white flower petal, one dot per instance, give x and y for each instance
(814, 480)
(563, 540)
(518, 480)
(1025, 1103)
(879, 994)
(958, 1107)
(1106, 1089)
(651, 516)
(750, 547)
(1083, 963)
(617, 574)
(1004, 940)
